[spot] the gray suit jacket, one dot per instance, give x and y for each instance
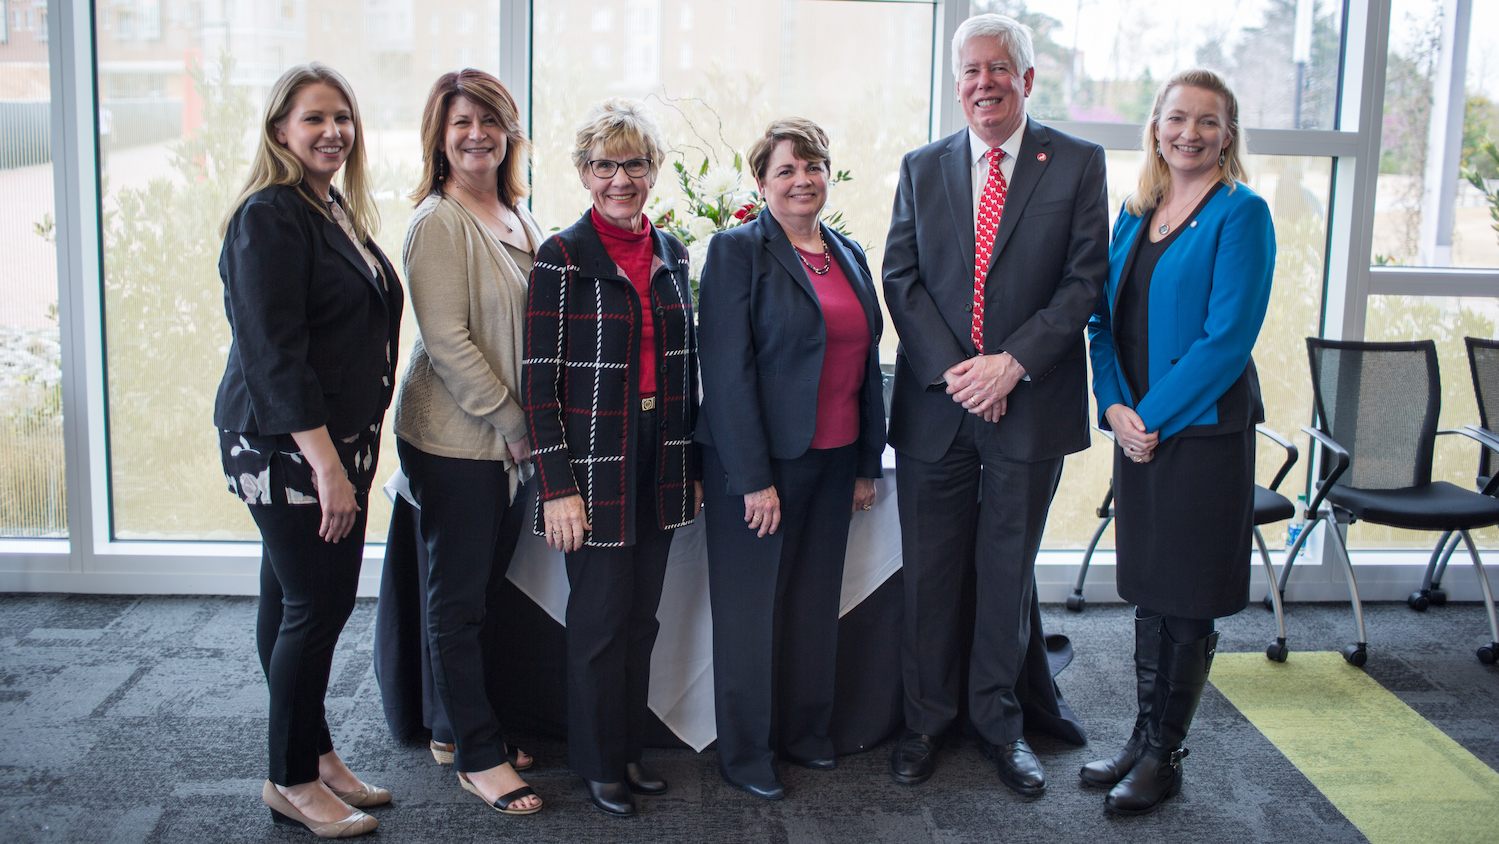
(1049, 265)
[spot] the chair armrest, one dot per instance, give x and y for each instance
(1326, 483)
(1487, 439)
(1292, 453)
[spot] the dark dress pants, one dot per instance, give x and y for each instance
(465, 512)
(611, 629)
(972, 514)
(775, 611)
(307, 589)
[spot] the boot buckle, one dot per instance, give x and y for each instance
(1176, 757)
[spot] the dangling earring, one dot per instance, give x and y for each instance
(1220, 159)
(1158, 153)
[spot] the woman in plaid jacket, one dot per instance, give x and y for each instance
(610, 386)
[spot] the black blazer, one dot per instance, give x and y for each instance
(763, 339)
(315, 335)
(1049, 265)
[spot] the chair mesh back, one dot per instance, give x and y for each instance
(1483, 360)
(1380, 401)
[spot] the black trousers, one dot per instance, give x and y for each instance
(611, 629)
(974, 514)
(470, 530)
(307, 589)
(775, 611)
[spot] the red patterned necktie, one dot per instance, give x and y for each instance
(991, 207)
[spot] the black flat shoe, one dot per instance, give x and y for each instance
(913, 759)
(772, 790)
(643, 780)
(611, 798)
(1019, 768)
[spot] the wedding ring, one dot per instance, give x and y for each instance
(867, 506)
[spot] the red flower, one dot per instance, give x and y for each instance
(746, 213)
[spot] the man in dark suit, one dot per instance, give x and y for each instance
(990, 394)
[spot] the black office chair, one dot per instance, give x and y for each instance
(1269, 507)
(1483, 362)
(1378, 404)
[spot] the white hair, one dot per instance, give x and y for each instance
(1012, 34)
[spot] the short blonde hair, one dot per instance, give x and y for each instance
(619, 124)
(274, 164)
(1155, 176)
(491, 94)
(808, 142)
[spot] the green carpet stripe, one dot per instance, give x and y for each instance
(1388, 770)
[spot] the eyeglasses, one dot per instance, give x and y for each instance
(634, 168)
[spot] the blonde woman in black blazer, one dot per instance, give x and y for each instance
(315, 313)
(793, 427)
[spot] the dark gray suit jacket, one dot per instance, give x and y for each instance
(1049, 264)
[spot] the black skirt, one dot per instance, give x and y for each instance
(1184, 525)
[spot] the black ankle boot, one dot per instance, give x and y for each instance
(1105, 773)
(1157, 775)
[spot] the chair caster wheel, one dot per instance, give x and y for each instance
(1487, 653)
(1268, 602)
(1356, 654)
(1418, 601)
(1075, 602)
(1438, 597)
(1277, 651)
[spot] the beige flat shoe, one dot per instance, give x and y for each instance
(363, 797)
(443, 753)
(285, 814)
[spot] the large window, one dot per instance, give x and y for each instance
(1441, 109)
(32, 500)
(180, 102)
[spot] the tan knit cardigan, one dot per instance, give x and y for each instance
(460, 396)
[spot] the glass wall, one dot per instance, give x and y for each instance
(1411, 178)
(181, 88)
(1101, 60)
(32, 501)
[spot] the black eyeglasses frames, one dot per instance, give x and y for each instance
(605, 168)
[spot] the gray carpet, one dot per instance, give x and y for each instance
(126, 719)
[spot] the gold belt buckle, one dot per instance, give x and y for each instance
(648, 403)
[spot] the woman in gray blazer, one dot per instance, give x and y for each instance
(793, 427)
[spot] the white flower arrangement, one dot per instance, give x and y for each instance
(717, 200)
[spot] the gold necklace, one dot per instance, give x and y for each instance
(1167, 226)
(509, 229)
(827, 257)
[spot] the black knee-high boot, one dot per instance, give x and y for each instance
(1105, 773)
(1157, 775)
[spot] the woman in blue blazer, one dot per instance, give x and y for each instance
(1190, 266)
(314, 311)
(793, 427)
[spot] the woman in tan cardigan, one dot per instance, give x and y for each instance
(460, 428)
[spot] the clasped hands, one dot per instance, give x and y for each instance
(1130, 433)
(982, 384)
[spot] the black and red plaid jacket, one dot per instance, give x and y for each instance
(582, 400)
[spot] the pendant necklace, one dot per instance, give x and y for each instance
(1166, 226)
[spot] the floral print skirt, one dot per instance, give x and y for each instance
(265, 470)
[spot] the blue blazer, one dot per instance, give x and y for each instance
(761, 340)
(1208, 297)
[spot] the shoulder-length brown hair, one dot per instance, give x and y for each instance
(808, 142)
(491, 94)
(275, 165)
(1155, 177)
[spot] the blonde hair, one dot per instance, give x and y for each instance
(808, 142)
(619, 124)
(274, 164)
(492, 95)
(1155, 176)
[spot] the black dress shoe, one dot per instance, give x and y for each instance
(770, 790)
(1019, 768)
(611, 798)
(643, 780)
(913, 759)
(827, 764)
